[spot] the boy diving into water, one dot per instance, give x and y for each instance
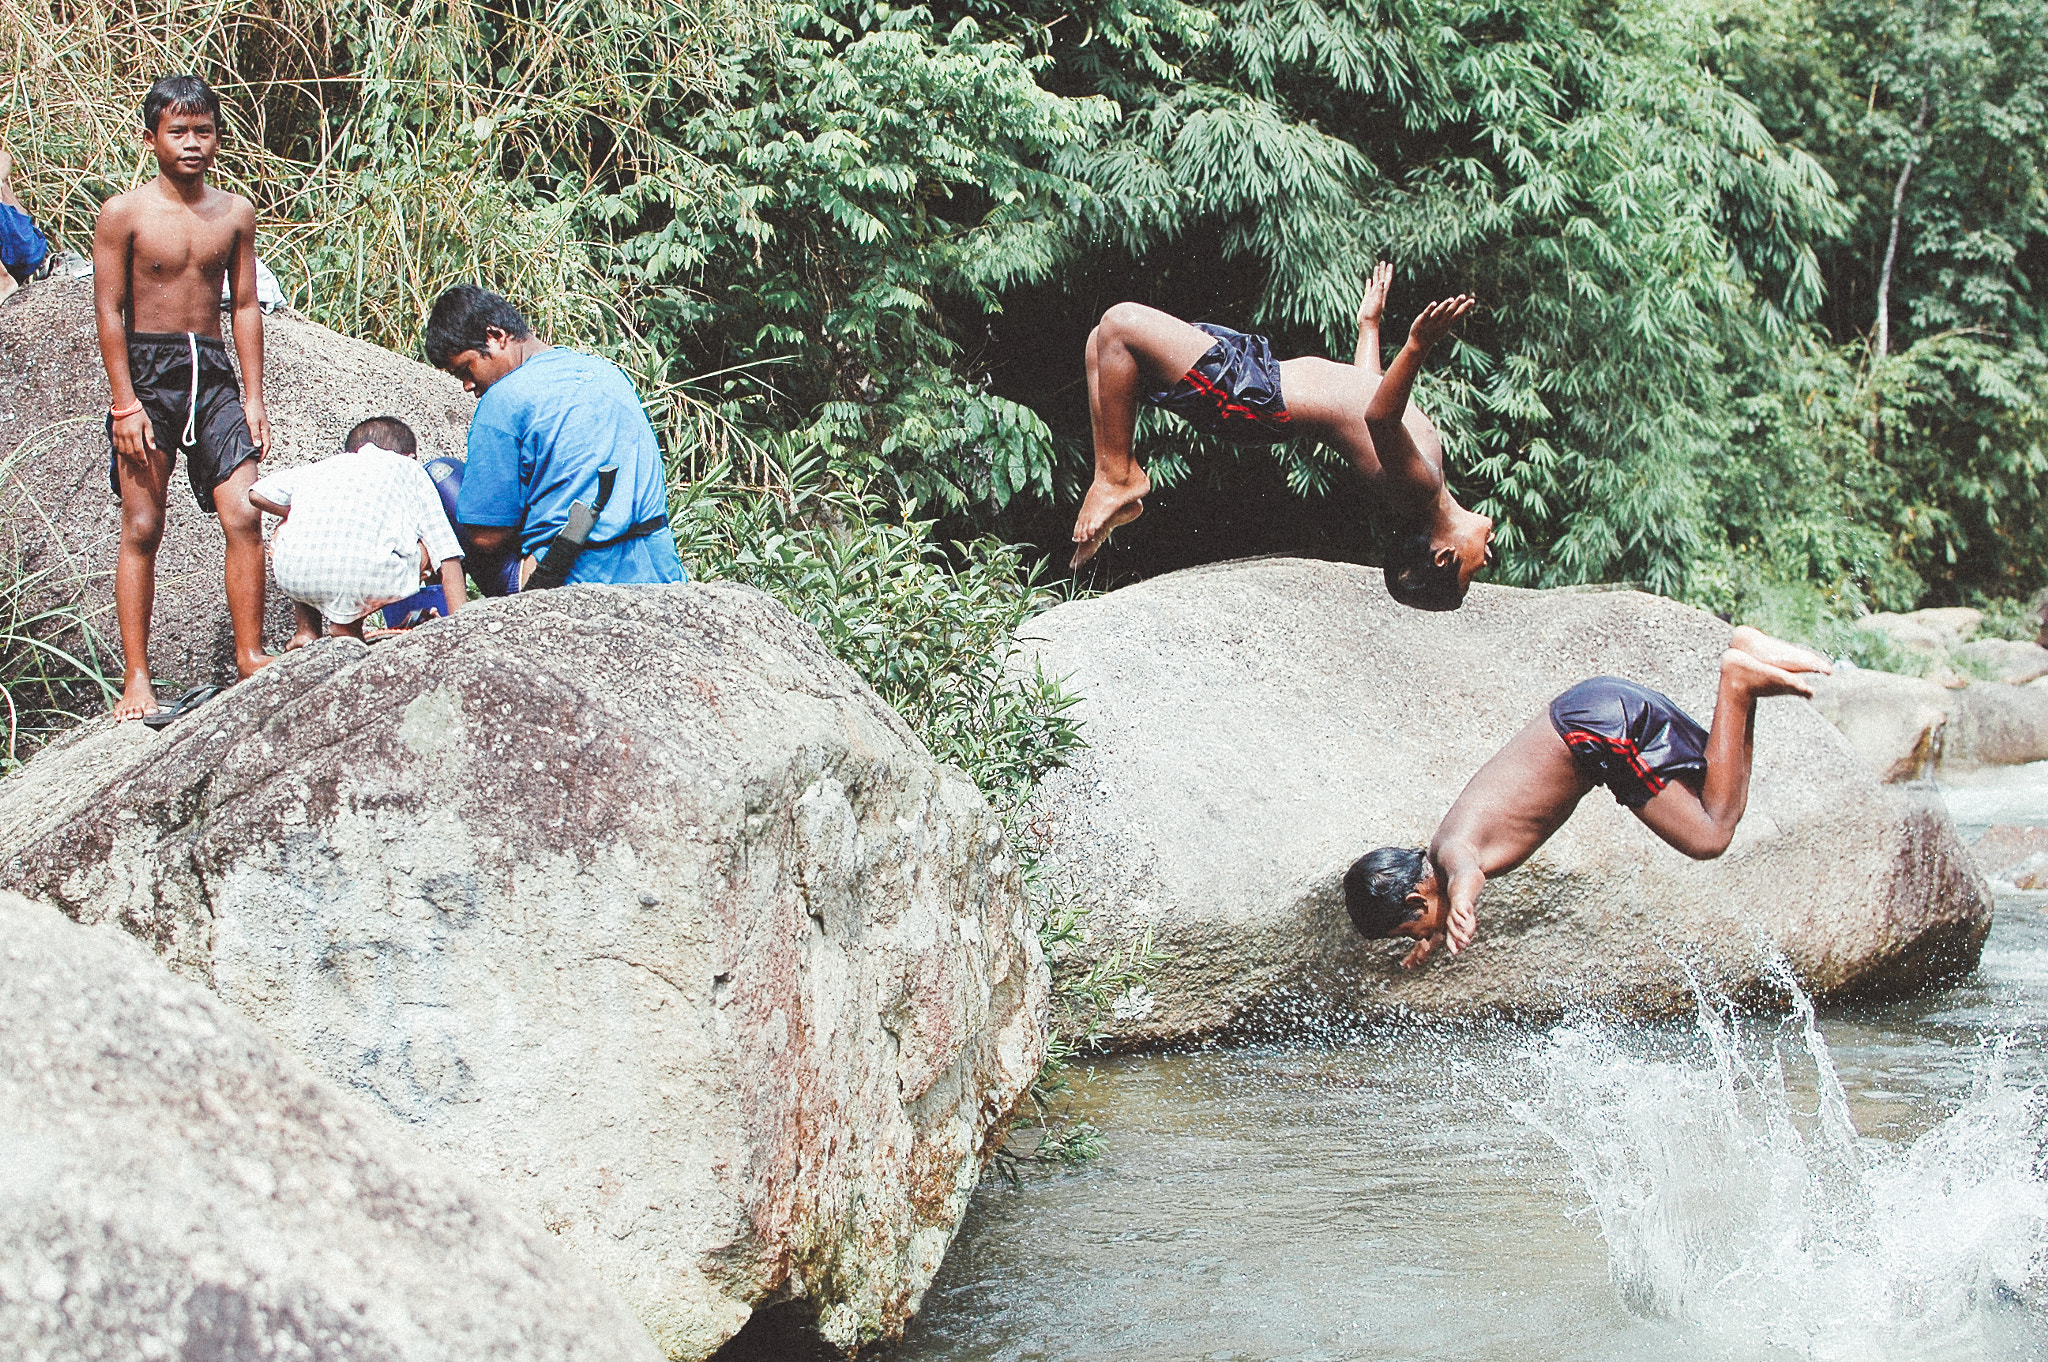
(1689, 786)
(1228, 384)
(159, 254)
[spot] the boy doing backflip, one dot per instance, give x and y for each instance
(1688, 785)
(1228, 384)
(159, 255)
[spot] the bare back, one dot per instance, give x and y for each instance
(1523, 794)
(172, 254)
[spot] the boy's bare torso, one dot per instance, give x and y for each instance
(1524, 793)
(1327, 398)
(178, 254)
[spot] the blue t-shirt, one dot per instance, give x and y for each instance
(22, 247)
(538, 438)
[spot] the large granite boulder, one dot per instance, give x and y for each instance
(1254, 727)
(53, 405)
(634, 902)
(173, 1185)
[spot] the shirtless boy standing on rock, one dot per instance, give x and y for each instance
(159, 254)
(1689, 786)
(1228, 384)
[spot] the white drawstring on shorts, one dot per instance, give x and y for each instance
(192, 402)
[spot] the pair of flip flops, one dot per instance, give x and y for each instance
(180, 707)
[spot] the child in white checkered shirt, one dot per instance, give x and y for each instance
(358, 530)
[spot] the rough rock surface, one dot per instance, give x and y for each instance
(175, 1186)
(1256, 726)
(53, 445)
(632, 901)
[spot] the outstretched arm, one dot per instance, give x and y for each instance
(1390, 399)
(1370, 309)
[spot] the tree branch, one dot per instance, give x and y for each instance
(1891, 246)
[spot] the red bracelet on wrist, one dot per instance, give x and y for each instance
(123, 413)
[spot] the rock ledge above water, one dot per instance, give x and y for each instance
(1255, 726)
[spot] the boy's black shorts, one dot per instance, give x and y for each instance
(1232, 392)
(187, 388)
(1628, 737)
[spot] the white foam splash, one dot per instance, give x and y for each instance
(1725, 1207)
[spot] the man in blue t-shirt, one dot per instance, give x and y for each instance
(547, 419)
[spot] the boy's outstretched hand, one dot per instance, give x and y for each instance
(1434, 322)
(1377, 286)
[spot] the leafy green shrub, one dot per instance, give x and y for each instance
(931, 634)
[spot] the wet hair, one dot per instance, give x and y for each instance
(1377, 886)
(462, 316)
(1416, 580)
(179, 94)
(385, 432)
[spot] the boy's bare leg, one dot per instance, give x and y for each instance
(306, 625)
(1702, 822)
(1133, 346)
(145, 484)
(352, 629)
(242, 523)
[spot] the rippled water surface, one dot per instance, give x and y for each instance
(1585, 1192)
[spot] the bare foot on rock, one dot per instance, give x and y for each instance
(138, 698)
(1759, 678)
(1778, 653)
(1107, 506)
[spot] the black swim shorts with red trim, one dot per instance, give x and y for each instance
(187, 388)
(1232, 392)
(1628, 737)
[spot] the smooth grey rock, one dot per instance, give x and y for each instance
(2017, 855)
(1895, 724)
(53, 401)
(1254, 727)
(1996, 725)
(1934, 630)
(2008, 660)
(173, 1185)
(634, 902)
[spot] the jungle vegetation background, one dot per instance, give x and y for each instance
(1763, 284)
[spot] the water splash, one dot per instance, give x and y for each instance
(1726, 1206)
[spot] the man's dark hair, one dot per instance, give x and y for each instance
(1416, 581)
(179, 94)
(1377, 886)
(385, 432)
(460, 318)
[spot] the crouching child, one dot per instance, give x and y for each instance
(357, 531)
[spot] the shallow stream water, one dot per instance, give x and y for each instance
(1864, 1184)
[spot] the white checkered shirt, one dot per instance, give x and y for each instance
(352, 542)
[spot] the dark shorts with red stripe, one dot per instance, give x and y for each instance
(1232, 392)
(1628, 737)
